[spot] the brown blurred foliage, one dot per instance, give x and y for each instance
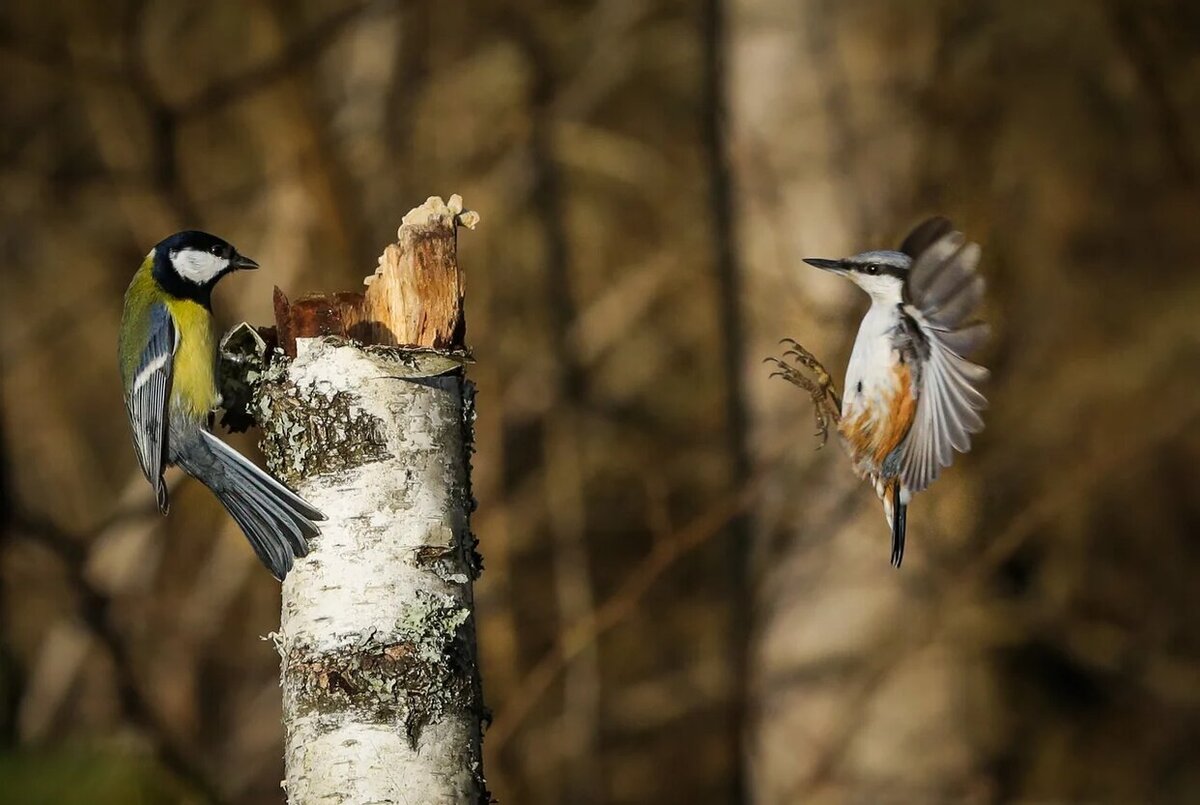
(683, 601)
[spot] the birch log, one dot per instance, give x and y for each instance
(370, 418)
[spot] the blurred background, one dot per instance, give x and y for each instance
(683, 600)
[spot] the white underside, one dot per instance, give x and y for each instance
(872, 363)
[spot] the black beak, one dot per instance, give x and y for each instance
(826, 265)
(240, 261)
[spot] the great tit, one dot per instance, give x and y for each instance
(167, 353)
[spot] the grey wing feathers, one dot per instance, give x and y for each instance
(941, 294)
(146, 400)
(251, 471)
(277, 522)
(924, 235)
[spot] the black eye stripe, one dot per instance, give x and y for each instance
(881, 270)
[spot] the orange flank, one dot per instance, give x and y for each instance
(873, 433)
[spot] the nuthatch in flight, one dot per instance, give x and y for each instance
(912, 398)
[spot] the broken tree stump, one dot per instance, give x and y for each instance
(367, 413)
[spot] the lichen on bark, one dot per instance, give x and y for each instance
(377, 636)
(422, 676)
(382, 699)
(312, 431)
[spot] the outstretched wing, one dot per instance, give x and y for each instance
(925, 234)
(146, 399)
(941, 294)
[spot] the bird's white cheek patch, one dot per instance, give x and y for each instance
(882, 287)
(197, 266)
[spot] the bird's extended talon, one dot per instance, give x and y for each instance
(807, 359)
(822, 425)
(808, 363)
(826, 404)
(797, 347)
(783, 368)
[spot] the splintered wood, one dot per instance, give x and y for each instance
(414, 298)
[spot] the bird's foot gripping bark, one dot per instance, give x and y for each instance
(826, 404)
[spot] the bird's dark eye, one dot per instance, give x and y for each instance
(218, 250)
(872, 268)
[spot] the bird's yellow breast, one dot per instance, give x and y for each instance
(194, 385)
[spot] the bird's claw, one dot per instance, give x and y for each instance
(805, 358)
(825, 401)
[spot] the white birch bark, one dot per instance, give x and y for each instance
(381, 694)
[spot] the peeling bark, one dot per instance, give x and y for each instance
(381, 690)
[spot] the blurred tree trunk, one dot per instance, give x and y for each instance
(381, 692)
(728, 274)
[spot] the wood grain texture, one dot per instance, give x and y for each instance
(414, 298)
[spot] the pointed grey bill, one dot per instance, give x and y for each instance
(241, 261)
(826, 265)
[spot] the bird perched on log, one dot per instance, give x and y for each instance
(167, 353)
(912, 397)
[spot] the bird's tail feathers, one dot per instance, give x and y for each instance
(298, 503)
(895, 510)
(899, 518)
(277, 522)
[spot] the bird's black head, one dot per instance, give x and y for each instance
(188, 264)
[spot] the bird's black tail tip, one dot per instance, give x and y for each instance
(899, 525)
(898, 533)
